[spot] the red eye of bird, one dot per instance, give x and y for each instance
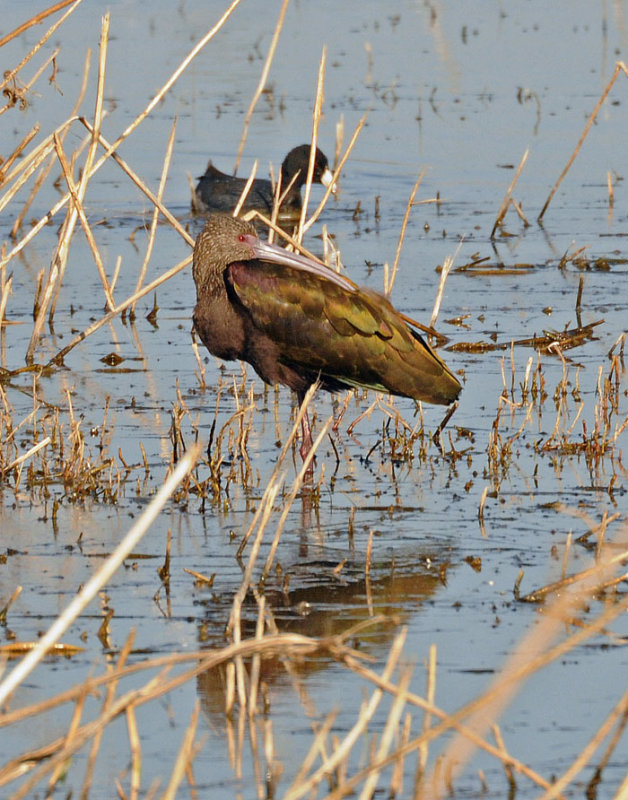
(241, 237)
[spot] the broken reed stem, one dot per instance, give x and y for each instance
(532, 653)
(185, 757)
(9, 75)
(430, 696)
(100, 578)
(619, 66)
(111, 148)
(25, 456)
(78, 205)
(316, 117)
(35, 21)
(386, 738)
(315, 215)
(136, 752)
(307, 786)
(298, 483)
(174, 222)
(262, 514)
(108, 700)
(261, 83)
(246, 190)
(59, 261)
(388, 287)
(584, 758)
(447, 265)
(58, 357)
(155, 217)
(26, 140)
(506, 201)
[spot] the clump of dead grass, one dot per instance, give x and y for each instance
(50, 447)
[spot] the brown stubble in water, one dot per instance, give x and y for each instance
(59, 450)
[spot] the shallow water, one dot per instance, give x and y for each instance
(460, 92)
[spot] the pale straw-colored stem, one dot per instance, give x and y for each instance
(261, 83)
(99, 579)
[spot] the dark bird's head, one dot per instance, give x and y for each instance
(223, 240)
(297, 162)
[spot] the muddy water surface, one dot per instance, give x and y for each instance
(460, 91)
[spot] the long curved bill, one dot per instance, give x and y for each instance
(265, 251)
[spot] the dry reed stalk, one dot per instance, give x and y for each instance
(136, 753)
(583, 759)
(30, 163)
(261, 83)
(275, 474)
(619, 66)
(505, 758)
(5, 609)
(261, 518)
(150, 287)
(246, 190)
(108, 699)
(309, 785)
(169, 217)
(506, 201)
(99, 579)
(62, 766)
(78, 206)
(390, 727)
(185, 757)
(316, 118)
(317, 212)
(447, 265)
(5, 291)
(296, 487)
(26, 139)
(59, 261)
(25, 456)
(155, 217)
(321, 732)
(611, 193)
(430, 696)
(430, 734)
(388, 285)
(531, 654)
(9, 75)
(34, 21)
(256, 660)
(111, 147)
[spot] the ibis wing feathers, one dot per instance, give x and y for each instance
(352, 338)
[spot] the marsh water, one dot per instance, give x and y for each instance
(459, 91)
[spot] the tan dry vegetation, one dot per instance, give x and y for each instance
(400, 760)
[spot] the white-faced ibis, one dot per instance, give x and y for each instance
(298, 322)
(217, 191)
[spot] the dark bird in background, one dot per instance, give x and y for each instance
(297, 322)
(217, 191)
